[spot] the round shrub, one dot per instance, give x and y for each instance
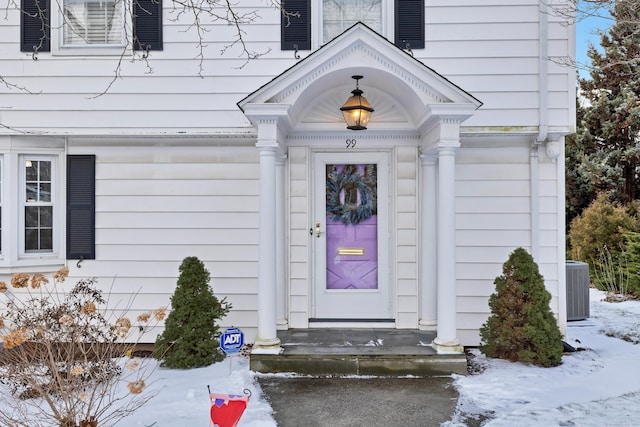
(601, 227)
(521, 326)
(191, 335)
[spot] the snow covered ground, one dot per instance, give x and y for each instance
(599, 386)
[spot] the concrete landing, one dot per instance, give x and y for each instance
(358, 402)
(364, 352)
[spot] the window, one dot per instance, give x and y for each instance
(338, 15)
(404, 19)
(33, 229)
(91, 23)
(98, 22)
(38, 205)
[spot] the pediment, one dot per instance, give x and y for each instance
(399, 87)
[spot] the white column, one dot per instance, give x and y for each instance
(446, 341)
(281, 250)
(267, 338)
(428, 257)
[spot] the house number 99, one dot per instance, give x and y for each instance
(351, 143)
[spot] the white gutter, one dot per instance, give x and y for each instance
(543, 116)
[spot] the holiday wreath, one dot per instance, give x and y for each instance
(348, 213)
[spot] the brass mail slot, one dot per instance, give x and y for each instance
(351, 251)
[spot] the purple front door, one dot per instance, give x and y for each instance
(352, 226)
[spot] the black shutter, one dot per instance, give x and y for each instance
(296, 31)
(147, 24)
(35, 26)
(409, 24)
(81, 186)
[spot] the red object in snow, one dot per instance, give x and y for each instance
(226, 409)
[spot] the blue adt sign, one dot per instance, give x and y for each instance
(231, 340)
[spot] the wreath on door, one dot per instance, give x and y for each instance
(346, 181)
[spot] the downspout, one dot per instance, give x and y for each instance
(543, 120)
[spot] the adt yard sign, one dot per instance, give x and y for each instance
(231, 340)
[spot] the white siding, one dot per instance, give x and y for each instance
(406, 232)
(493, 217)
(299, 263)
(486, 47)
(157, 205)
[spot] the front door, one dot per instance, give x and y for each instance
(351, 237)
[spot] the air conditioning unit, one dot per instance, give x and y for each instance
(577, 290)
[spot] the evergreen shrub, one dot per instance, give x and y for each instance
(191, 335)
(521, 326)
(600, 236)
(602, 225)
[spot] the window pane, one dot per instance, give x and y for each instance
(38, 181)
(46, 239)
(93, 22)
(38, 233)
(30, 240)
(31, 168)
(45, 192)
(31, 217)
(46, 216)
(338, 15)
(32, 193)
(44, 170)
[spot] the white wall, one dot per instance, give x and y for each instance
(486, 47)
(157, 205)
(493, 218)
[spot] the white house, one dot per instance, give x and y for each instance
(249, 166)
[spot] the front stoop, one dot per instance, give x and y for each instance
(365, 352)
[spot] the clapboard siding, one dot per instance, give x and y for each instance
(157, 205)
(177, 203)
(299, 264)
(493, 218)
(406, 256)
(500, 39)
(228, 187)
(159, 202)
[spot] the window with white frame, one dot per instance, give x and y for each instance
(93, 22)
(32, 225)
(80, 26)
(338, 15)
(312, 23)
(38, 204)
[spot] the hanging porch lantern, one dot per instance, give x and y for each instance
(357, 110)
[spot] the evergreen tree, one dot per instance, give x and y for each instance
(191, 335)
(580, 180)
(521, 326)
(611, 122)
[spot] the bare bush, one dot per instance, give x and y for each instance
(67, 360)
(613, 276)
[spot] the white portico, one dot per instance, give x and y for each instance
(410, 145)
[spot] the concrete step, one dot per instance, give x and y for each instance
(364, 352)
